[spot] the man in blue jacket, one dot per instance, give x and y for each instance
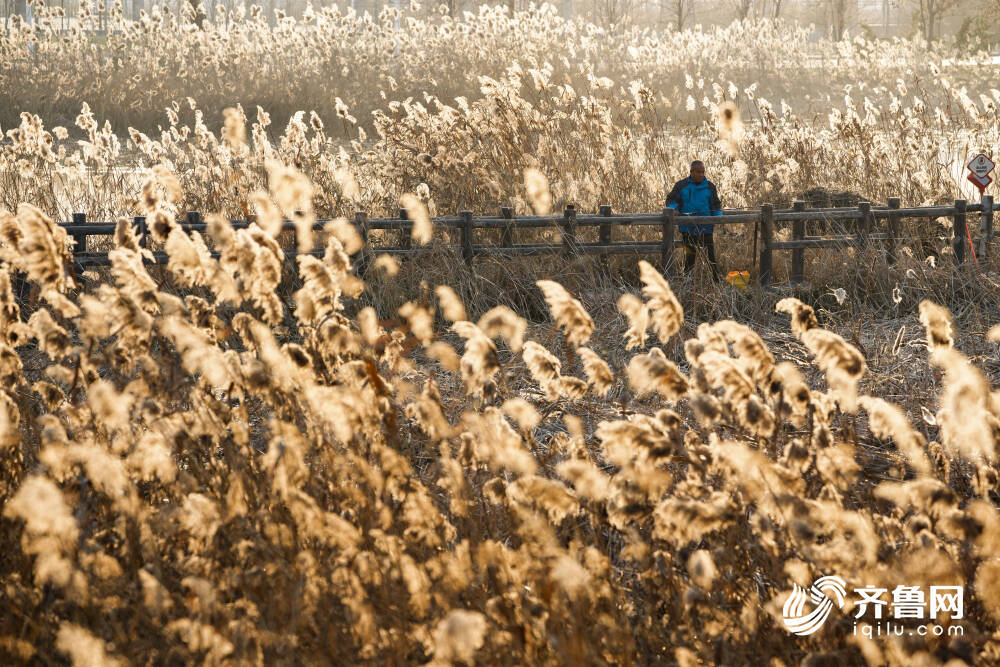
(696, 195)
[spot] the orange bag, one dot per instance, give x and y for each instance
(738, 279)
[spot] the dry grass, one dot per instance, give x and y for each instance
(254, 459)
(459, 112)
(207, 479)
(345, 66)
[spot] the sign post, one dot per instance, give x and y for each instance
(980, 168)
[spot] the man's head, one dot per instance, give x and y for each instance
(697, 171)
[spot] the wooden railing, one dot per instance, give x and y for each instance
(861, 220)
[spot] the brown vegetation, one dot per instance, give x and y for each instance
(214, 478)
(260, 459)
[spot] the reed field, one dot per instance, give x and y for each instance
(264, 457)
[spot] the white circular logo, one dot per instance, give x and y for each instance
(820, 592)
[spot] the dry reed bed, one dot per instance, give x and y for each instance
(225, 477)
(326, 56)
(613, 122)
(218, 464)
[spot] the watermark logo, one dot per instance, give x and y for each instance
(908, 602)
(820, 593)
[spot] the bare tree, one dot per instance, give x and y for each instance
(681, 11)
(614, 12)
(743, 8)
(839, 16)
(757, 8)
(930, 13)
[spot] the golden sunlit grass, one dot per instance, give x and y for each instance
(182, 480)
(266, 459)
(475, 114)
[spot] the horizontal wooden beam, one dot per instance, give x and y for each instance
(829, 241)
(730, 216)
(569, 223)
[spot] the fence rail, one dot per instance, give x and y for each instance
(863, 218)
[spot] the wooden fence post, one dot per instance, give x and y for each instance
(569, 230)
(139, 227)
(986, 227)
(894, 231)
(866, 223)
(193, 218)
(960, 229)
(404, 234)
(79, 238)
(667, 242)
(766, 240)
(507, 233)
(798, 233)
(296, 215)
(604, 234)
(467, 252)
(361, 220)
(79, 241)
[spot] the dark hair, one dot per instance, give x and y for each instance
(697, 162)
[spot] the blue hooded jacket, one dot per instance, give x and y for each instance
(689, 198)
